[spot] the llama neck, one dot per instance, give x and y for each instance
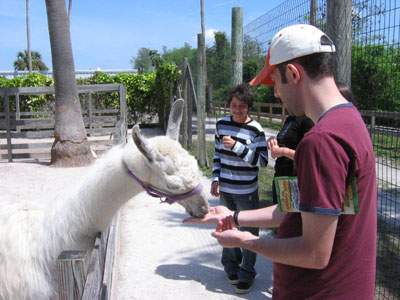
(91, 207)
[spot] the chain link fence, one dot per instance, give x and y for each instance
(375, 81)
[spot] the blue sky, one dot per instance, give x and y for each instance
(107, 34)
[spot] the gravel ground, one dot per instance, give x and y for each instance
(161, 258)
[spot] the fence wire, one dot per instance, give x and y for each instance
(375, 80)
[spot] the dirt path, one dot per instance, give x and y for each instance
(161, 258)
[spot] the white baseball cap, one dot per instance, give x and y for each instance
(292, 42)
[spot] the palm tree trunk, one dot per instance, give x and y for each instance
(70, 147)
(28, 38)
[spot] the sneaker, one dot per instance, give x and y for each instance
(244, 287)
(270, 290)
(233, 279)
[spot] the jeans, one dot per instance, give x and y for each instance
(236, 260)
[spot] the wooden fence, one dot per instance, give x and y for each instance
(190, 98)
(85, 275)
(221, 108)
(31, 134)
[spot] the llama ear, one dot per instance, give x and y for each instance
(175, 119)
(152, 154)
(142, 144)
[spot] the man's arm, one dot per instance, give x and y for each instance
(311, 250)
(263, 217)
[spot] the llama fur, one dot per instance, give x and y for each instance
(32, 235)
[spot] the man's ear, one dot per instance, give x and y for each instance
(293, 73)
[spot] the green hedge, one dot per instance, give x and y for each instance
(148, 94)
(29, 103)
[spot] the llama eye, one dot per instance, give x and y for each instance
(174, 186)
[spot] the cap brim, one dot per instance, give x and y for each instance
(263, 77)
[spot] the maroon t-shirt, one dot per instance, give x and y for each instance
(335, 150)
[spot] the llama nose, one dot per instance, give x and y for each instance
(202, 212)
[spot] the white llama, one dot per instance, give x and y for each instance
(32, 235)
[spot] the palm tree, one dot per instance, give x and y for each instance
(22, 61)
(71, 146)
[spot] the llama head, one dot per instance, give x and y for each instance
(169, 168)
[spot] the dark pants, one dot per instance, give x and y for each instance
(236, 260)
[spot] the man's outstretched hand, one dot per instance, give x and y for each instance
(229, 236)
(226, 233)
(216, 214)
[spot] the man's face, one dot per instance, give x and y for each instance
(286, 92)
(239, 110)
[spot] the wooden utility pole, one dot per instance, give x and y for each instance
(339, 30)
(237, 46)
(201, 93)
(313, 12)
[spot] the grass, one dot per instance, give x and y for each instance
(387, 147)
(387, 262)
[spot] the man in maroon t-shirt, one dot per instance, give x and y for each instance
(319, 253)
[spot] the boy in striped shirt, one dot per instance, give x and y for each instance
(240, 149)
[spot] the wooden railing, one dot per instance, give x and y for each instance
(38, 127)
(84, 275)
(221, 108)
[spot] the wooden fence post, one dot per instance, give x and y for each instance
(72, 271)
(339, 28)
(123, 114)
(8, 125)
(237, 46)
(201, 108)
(17, 112)
(270, 113)
(90, 111)
(185, 93)
(313, 12)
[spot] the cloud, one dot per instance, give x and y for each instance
(209, 37)
(223, 3)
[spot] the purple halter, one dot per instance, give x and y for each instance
(168, 198)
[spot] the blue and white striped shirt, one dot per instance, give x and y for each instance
(236, 169)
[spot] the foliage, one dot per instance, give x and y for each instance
(250, 70)
(33, 102)
(139, 98)
(165, 85)
(147, 93)
(219, 62)
(253, 51)
(373, 76)
(177, 55)
(138, 94)
(21, 63)
(264, 94)
(156, 59)
(221, 94)
(142, 61)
